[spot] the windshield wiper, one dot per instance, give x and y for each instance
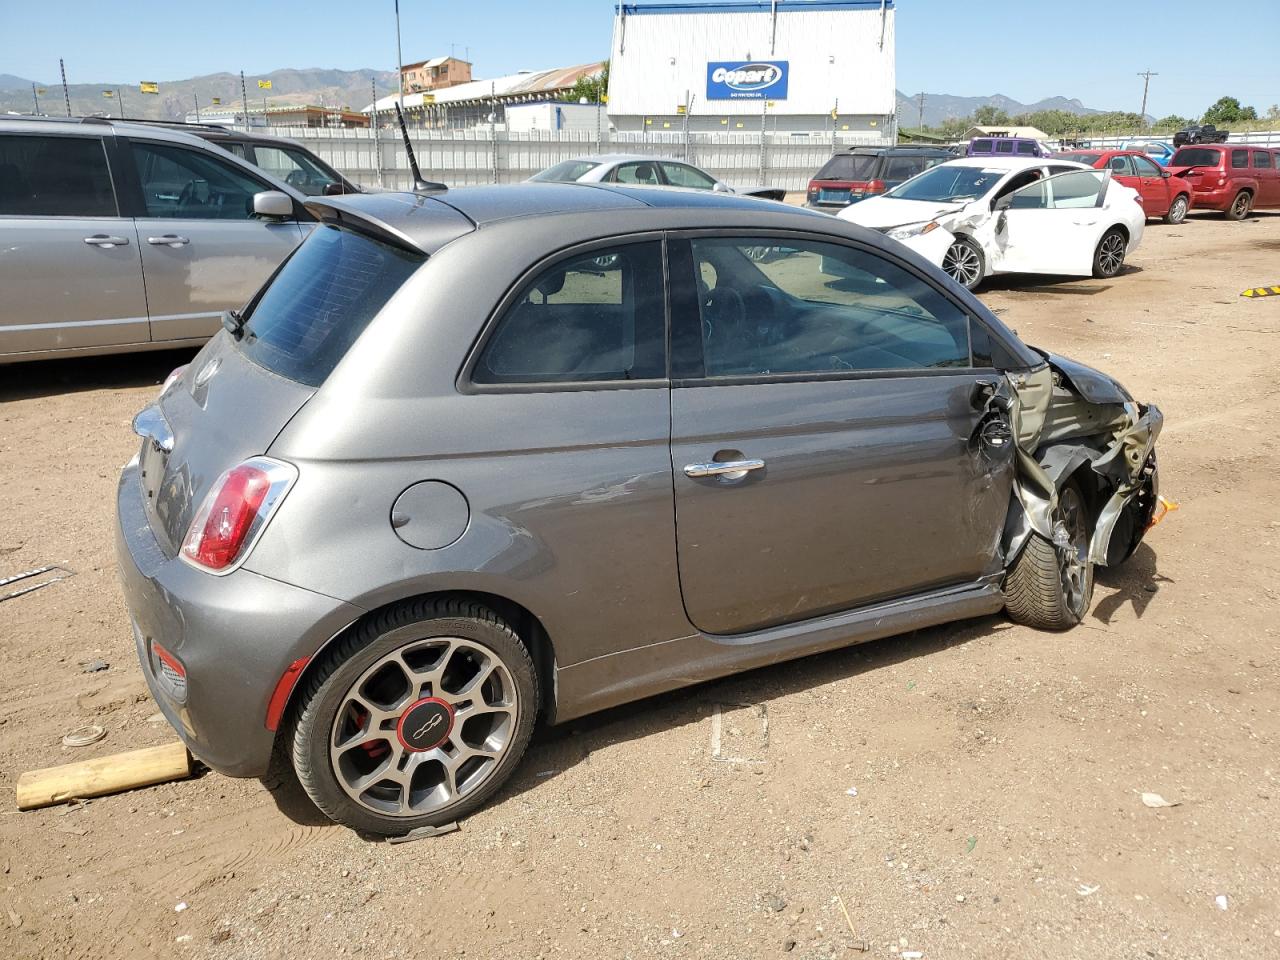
(233, 323)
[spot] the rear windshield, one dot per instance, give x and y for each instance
(849, 166)
(1196, 157)
(321, 301)
(566, 172)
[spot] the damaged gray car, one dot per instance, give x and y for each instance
(484, 456)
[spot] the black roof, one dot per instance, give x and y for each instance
(913, 151)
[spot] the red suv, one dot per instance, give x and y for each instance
(1230, 177)
(1163, 194)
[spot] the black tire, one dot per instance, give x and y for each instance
(964, 263)
(1108, 258)
(1240, 205)
(1178, 209)
(1042, 589)
(326, 691)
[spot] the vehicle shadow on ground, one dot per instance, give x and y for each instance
(44, 378)
(1046, 283)
(1136, 581)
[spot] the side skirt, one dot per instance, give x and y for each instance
(616, 678)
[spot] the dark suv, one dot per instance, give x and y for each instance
(283, 159)
(1207, 133)
(863, 172)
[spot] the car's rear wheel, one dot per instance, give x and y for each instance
(1050, 584)
(416, 718)
(1239, 208)
(964, 263)
(1177, 210)
(1108, 258)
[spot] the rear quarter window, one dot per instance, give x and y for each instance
(55, 177)
(321, 300)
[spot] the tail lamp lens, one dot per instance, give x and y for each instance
(875, 186)
(234, 512)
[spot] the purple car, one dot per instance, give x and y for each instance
(1006, 147)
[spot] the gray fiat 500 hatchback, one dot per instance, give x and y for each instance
(481, 456)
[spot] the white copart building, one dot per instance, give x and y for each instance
(836, 57)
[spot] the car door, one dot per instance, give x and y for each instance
(69, 265)
(1153, 186)
(1268, 180)
(821, 416)
(683, 175)
(1052, 226)
(203, 250)
(1123, 171)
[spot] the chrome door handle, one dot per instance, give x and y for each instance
(729, 469)
(168, 240)
(102, 240)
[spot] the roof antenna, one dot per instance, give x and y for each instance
(419, 185)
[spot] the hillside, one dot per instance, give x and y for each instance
(177, 97)
(940, 107)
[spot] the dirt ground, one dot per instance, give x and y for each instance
(998, 771)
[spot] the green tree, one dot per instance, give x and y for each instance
(1228, 110)
(1273, 112)
(988, 115)
(1171, 122)
(592, 88)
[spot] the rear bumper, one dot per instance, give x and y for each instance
(1219, 198)
(234, 636)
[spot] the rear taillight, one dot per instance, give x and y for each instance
(234, 513)
(875, 186)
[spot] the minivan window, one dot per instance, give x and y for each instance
(1239, 158)
(849, 166)
(184, 184)
(1027, 149)
(1196, 157)
(980, 146)
(1004, 146)
(596, 317)
(320, 302)
(55, 177)
(813, 307)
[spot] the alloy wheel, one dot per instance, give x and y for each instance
(1071, 538)
(1111, 254)
(1241, 205)
(424, 726)
(962, 264)
(1178, 212)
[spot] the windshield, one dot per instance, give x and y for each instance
(297, 168)
(320, 302)
(948, 182)
(1196, 157)
(1089, 159)
(849, 166)
(565, 172)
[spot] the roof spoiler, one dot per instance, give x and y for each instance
(419, 185)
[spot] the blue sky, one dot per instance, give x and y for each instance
(1025, 49)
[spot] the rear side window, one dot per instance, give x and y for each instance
(321, 301)
(55, 177)
(1239, 158)
(596, 317)
(849, 166)
(980, 146)
(1262, 159)
(1004, 146)
(903, 168)
(1027, 149)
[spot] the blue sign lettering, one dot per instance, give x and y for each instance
(756, 80)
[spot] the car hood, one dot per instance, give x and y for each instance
(881, 212)
(1094, 385)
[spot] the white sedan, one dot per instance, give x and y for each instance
(646, 171)
(984, 215)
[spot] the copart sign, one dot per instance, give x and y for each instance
(756, 80)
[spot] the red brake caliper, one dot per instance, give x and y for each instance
(376, 749)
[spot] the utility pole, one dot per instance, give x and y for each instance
(36, 97)
(1146, 82)
(244, 100)
(120, 97)
(920, 125)
(197, 99)
(65, 94)
(373, 129)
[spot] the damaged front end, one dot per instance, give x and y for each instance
(1071, 421)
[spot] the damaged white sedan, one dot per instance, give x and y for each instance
(983, 215)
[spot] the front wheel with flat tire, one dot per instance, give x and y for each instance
(1050, 584)
(416, 717)
(1177, 210)
(964, 263)
(1108, 258)
(1239, 208)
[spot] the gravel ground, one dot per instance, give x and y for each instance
(967, 791)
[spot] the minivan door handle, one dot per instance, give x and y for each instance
(102, 240)
(728, 469)
(168, 240)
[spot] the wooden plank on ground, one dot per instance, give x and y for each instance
(103, 775)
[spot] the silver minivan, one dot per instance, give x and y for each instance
(116, 236)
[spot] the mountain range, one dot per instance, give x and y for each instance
(352, 88)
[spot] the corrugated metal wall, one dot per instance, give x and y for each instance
(833, 54)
